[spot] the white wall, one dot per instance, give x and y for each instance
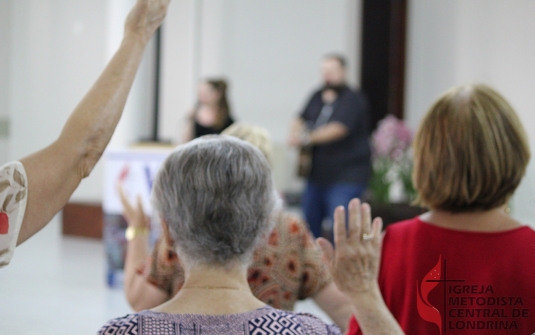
(53, 50)
(5, 42)
(475, 41)
(57, 50)
(270, 52)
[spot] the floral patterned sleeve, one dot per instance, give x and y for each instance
(13, 196)
(316, 272)
(162, 269)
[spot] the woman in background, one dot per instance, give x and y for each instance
(465, 266)
(211, 114)
(289, 267)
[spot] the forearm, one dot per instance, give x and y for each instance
(136, 286)
(341, 314)
(91, 125)
(373, 315)
(143, 295)
(335, 304)
(331, 132)
(137, 251)
(296, 132)
(297, 126)
(55, 172)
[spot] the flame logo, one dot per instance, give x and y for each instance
(427, 311)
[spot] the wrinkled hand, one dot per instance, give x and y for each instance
(354, 263)
(134, 216)
(145, 17)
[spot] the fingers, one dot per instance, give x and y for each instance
(140, 212)
(140, 204)
(359, 223)
(366, 219)
(326, 248)
(124, 199)
(354, 225)
(339, 228)
(377, 227)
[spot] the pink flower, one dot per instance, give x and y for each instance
(391, 139)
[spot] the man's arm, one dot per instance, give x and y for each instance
(296, 130)
(55, 172)
(331, 132)
(347, 114)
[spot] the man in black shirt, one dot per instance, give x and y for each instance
(338, 129)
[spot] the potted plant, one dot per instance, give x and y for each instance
(391, 185)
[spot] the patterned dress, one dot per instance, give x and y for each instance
(262, 321)
(289, 267)
(13, 196)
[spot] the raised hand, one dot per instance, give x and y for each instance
(133, 214)
(145, 17)
(354, 263)
(354, 266)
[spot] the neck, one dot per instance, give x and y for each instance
(213, 290)
(215, 276)
(494, 220)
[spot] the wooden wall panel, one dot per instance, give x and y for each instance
(84, 220)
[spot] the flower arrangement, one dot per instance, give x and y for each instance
(392, 162)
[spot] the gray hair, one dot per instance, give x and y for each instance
(217, 196)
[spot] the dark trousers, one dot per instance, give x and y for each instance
(319, 202)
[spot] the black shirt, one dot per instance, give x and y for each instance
(201, 130)
(347, 160)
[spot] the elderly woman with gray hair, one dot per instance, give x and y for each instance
(216, 202)
(289, 267)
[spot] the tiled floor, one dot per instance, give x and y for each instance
(56, 285)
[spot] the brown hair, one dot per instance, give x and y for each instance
(220, 85)
(470, 151)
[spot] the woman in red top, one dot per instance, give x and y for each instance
(465, 266)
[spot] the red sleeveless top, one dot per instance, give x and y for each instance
(441, 281)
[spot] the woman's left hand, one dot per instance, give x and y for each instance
(354, 263)
(133, 214)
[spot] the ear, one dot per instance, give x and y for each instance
(166, 235)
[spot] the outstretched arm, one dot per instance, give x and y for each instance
(54, 172)
(355, 267)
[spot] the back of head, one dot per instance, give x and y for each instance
(255, 135)
(216, 195)
(470, 152)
